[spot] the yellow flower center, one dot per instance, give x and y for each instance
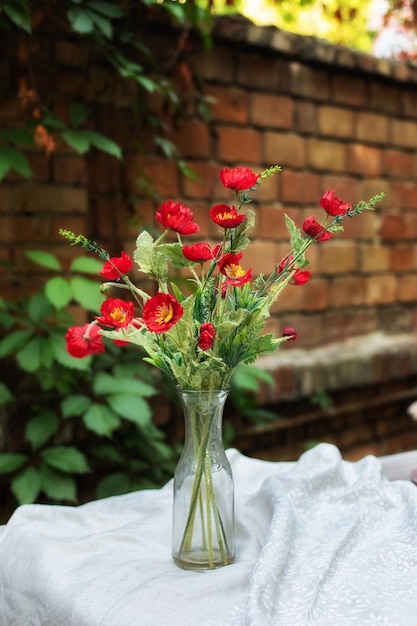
(164, 314)
(225, 216)
(234, 271)
(119, 315)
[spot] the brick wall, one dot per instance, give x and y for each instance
(330, 117)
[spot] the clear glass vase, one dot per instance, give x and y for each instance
(203, 511)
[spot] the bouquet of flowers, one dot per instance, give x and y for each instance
(198, 339)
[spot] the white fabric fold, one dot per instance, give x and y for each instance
(320, 542)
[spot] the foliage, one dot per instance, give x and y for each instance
(109, 28)
(72, 418)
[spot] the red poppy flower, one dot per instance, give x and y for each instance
(226, 216)
(178, 217)
(84, 340)
(161, 312)
(116, 266)
(238, 178)
(300, 277)
(289, 332)
(315, 231)
(207, 336)
(198, 253)
(116, 313)
(334, 205)
(230, 267)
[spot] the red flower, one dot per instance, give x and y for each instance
(315, 231)
(334, 205)
(207, 336)
(198, 253)
(84, 340)
(116, 266)
(230, 267)
(226, 216)
(116, 313)
(238, 178)
(300, 277)
(289, 332)
(161, 312)
(177, 216)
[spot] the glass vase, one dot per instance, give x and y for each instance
(203, 510)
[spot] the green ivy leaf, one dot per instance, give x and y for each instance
(39, 307)
(13, 159)
(86, 265)
(14, 342)
(107, 384)
(132, 408)
(101, 420)
(78, 113)
(102, 24)
(77, 140)
(5, 395)
(114, 485)
(58, 291)
(107, 9)
(46, 259)
(103, 143)
(29, 357)
(56, 485)
(26, 485)
(75, 405)
(66, 459)
(19, 16)
(40, 428)
(11, 461)
(86, 293)
(80, 20)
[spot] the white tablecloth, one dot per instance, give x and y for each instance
(320, 542)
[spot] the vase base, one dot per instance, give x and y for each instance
(197, 560)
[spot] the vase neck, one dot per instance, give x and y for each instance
(203, 415)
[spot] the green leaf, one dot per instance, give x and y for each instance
(19, 16)
(61, 355)
(5, 395)
(26, 485)
(11, 461)
(104, 143)
(113, 485)
(78, 113)
(77, 140)
(58, 291)
(18, 136)
(108, 453)
(107, 9)
(39, 307)
(11, 158)
(56, 485)
(14, 342)
(101, 420)
(80, 20)
(105, 383)
(86, 265)
(86, 292)
(66, 459)
(75, 405)
(46, 259)
(40, 428)
(102, 24)
(132, 408)
(173, 251)
(29, 357)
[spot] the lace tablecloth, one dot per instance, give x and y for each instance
(320, 542)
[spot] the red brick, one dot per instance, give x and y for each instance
(335, 121)
(374, 258)
(70, 53)
(299, 187)
(271, 111)
(206, 184)
(256, 71)
(404, 195)
(347, 291)
(316, 294)
(70, 170)
(49, 199)
(305, 117)
(161, 173)
(344, 186)
(407, 288)
(191, 138)
(370, 187)
(309, 82)
(270, 221)
(381, 289)
(364, 160)
(393, 227)
(338, 257)
(404, 133)
(309, 328)
(285, 149)
(229, 105)
(238, 145)
(398, 163)
(350, 92)
(215, 65)
(327, 155)
(261, 256)
(383, 97)
(403, 258)
(372, 128)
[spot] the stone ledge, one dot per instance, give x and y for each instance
(358, 362)
(236, 28)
